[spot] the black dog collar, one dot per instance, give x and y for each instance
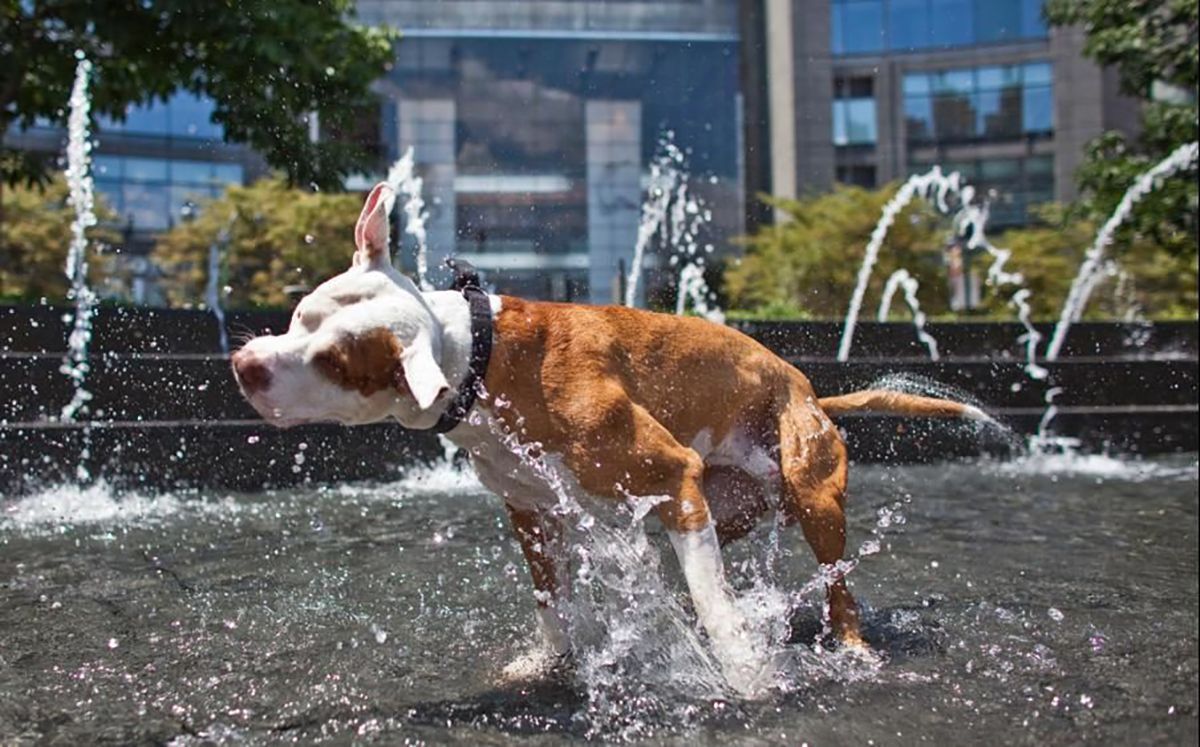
(466, 281)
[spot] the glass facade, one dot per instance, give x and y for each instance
(1015, 184)
(184, 115)
(874, 26)
(985, 103)
(150, 193)
(854, 119)
(534, 150)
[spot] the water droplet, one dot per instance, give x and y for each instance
(1055, 614)
(252, 439)
(309, 238)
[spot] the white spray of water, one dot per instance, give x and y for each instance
(402, 177)
(902, 279)
(212, 291)
(970, 220)
(690, 216)
(1092, 270)
(82, 199)
(664, 177)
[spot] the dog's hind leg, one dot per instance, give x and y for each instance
(813, 469)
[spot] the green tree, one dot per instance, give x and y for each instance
(807, 266)
(274, 236)
(34, 240)
(1159, 283)
(1152, 44)
(266, 63)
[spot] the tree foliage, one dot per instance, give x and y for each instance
(1152, 44)
(34, 238)
(266, 63)
(272, 237)
(807, 267)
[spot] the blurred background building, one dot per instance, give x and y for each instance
(869, 91)
(533, 123)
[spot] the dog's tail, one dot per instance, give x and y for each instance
(888, 402)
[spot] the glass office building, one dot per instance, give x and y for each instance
(980, 86)
(534, 148)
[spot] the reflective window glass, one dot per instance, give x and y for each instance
(191, 116)
(953, 81)
(861, 120)
(149, 119)
(1039, 165)
(916, 83)
(1032, 23)
(145, 170)
(997, 20)
(1038, 109)
(1038, 73)
(191, 172)
(954, 117)
(146, 205)
(228, 173)
(951, 23)
(999, 168)
(908, 24)
(999, 113)
(918, 118)
(860, 26)
(107, 167)
(995, 77)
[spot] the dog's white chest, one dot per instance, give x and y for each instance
(525, 482)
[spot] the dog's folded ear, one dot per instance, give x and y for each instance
(422, 374)
(372, 231)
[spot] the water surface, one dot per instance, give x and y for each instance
(1043, 600)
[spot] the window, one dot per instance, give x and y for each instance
(858, 175)
(985, 103)
(998, 21)
(951, 23)
(866, 26)
(1014, 186)
(854, 121)
(184, 114)
(909, 24)
(857, 26)
(151, 192)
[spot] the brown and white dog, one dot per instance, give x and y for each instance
(629, 402)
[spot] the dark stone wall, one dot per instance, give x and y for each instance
(165, 410)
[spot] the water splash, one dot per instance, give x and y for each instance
(903, 279)
(402, 177)
(690, 218)
(950, 196)
(82, 199)
(666, 169)
(212, 291)
(1092, 270)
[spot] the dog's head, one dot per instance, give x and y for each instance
(363, 346)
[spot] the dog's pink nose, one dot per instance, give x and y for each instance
(251, 372)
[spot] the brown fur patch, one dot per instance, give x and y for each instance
(366, 363)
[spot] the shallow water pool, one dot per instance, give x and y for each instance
(1041, 600)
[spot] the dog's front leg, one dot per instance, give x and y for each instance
(537, 531)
